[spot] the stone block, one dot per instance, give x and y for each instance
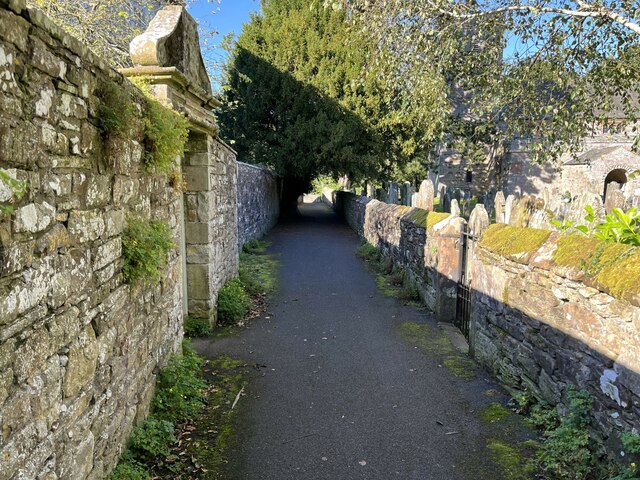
(197, 178)
(34, 217)
(197, 233)
(85, 226)
(81, 366)
(107, 253)
(199, 282)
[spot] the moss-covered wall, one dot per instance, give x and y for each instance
(550, 311)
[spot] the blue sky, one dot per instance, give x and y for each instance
(229, 14)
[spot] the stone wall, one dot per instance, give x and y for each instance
(540, 324)
(415, 239)
(258, 201)
(79, 347)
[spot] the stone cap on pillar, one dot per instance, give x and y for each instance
(168, 53)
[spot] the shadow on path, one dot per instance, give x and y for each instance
(341, 395)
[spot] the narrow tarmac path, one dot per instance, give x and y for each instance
(342, 395)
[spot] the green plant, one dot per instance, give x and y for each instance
(233, 302)
(16, 189)
(153, 439)
(195, 327)
(563, 226)
(618, 226)
(145, 246)
(180, 387)
(129, 469)
(115, 111)
(255, 247)
(323, 181)
(166, 132)
(566, 453)
(631, 442)
(366, 251)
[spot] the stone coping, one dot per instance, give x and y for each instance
(609, 267)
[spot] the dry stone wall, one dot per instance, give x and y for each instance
(258, 201)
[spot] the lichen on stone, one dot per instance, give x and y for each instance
(434, 218)
(510, 241)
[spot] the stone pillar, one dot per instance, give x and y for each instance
(168, 55)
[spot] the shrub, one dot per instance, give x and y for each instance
(153, 439)
(15, 188)
(129, 470)
(233, 303)
(145, 246)
(180, 387)
(254, 247)
(196, 327)
(631, 442)
(566, 453)
(115, 111)
(366, 251)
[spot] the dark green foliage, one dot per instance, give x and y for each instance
(145, 245)
(180, 387)
(196, 327)
(255, 247)
(631, 442)
(116, 109)
(152, 439)
(233, 303)
(294, 98)
(129, 469)
(368, 252)
(567, 451)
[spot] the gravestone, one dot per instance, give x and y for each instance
(615, 197)
(478, 220)
(371, 190)
(424, 199)
(393, 196)
(454, 208)
(406, 194)
(446, 202)
(508, 206)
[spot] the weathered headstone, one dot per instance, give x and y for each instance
(508, 206)
(393, 196)
(406, 193)
(446, 202)
(424, 198)
(575, 210)
(371, 190)
(455, 208)
(614, 198)
(478, 220)
(414, 200)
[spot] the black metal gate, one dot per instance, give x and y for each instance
(463, 296)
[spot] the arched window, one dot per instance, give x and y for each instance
(618, 175)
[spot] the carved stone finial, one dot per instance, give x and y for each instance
(171, 40)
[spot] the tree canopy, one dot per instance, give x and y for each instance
(299, 97)
(545, 70)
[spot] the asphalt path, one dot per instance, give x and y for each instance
(337, 393)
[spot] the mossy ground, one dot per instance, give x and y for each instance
(434, 341)
(495, 412)
(514, 464)
(507, 240)
(615, 266)
(211, 442)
